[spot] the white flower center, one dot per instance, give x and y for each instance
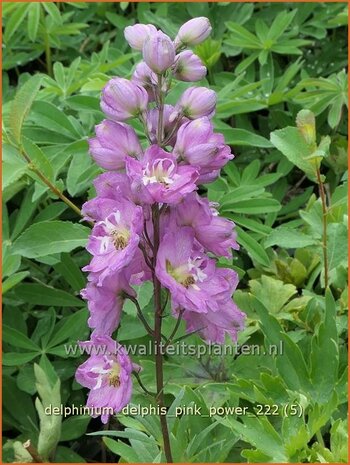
(161, 171)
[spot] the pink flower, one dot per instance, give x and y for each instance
(113, 142)
(158, 178)
(123, 99)
(158, 52)
(107, 373)
(196, 102)
(188, 273)
(105, 302)
(212, 326)
(189, 67)
(114, 240)
(198, 145)
(193, 32)
(137, 34)
(145, 77)
(215, 234)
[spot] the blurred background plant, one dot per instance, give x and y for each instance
(267, 62)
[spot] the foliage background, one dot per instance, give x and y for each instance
(266, 61)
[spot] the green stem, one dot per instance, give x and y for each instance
(324, 224)
(140, 314)
(160, 129)
(171, 337)
(158, 341)
(51, 186)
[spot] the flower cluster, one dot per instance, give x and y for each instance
(150, 223)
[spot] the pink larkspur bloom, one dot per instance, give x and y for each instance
(215, 234)
(107, 373)
(123, 99)
(159, 178)
(198, 145)
(158, 52)
(114, 240)
(193, 32)
(113, 142)
(145, 77)
(192, 278)
(196, 102)
(212, 326)
(189, 67)
(137, 34)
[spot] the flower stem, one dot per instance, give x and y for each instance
(324, 222)
(172, 335)
(160, 129)
(140, 314)
(49, 184)
(158, 340)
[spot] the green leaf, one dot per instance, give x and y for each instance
(33, 20)
(18, 339)
(274, 294)
(254, 249)
(66, 454)
(13, 280)
(254, 206)
(241, 37)
(122, 449)
(337, 244)
(15, 21)
(290, 142)
(289, 238)
(259, 432)
(19, 405)
(38, 159)
(53, 11)
(290, 362)
(68, 326)
(74, 427)
(11, 359)
(325, 354)
(70, 271)
(50, 237)
(39, 294)
(50, 425)
(48, 116)
(83, 103)
(22, 103)
(242, 137)
(13, 166)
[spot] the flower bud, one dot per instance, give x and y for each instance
(159, 52)
(188, 67)
(137, 34)
(193, 32)
(122, 99)
(306, 124)
(145, 77)
(113, 142)
(196, 102)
